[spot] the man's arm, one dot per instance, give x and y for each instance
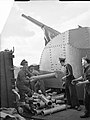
(78, 79)
(66, 75)
(83, 82)
(29, 73)
(70, 72)
(35, 72)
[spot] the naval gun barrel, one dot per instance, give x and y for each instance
(34, 21)
(45, 76)
(53, 31)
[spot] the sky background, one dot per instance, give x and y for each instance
(26, 37)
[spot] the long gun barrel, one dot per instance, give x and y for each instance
(41, 24)
(33, 20)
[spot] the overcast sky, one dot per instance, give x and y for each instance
(27, 38)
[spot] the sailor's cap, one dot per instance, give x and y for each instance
(23, 62)
(62, 59)
(86, 59)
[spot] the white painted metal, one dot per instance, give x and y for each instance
(72, 44)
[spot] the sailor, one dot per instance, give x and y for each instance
(39, 84)
(22, 82)
(85, 79)
(70, 89)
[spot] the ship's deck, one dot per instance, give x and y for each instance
(69, 114)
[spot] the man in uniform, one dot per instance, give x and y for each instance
(23, 83)
(70, 89)
(39, 84)
(85, 80)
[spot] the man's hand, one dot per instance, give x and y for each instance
(32, 79)
(64, 78)
(79, 83)
(84, 82)
(63, 84)
(74, 82)
(27, 77)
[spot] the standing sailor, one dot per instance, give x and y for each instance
(85, 79)
(70, 89)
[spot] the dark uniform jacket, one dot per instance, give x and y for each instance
(87, 77)
(69, 74)
(22, 77)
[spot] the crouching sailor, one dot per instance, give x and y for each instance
(23, 82)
